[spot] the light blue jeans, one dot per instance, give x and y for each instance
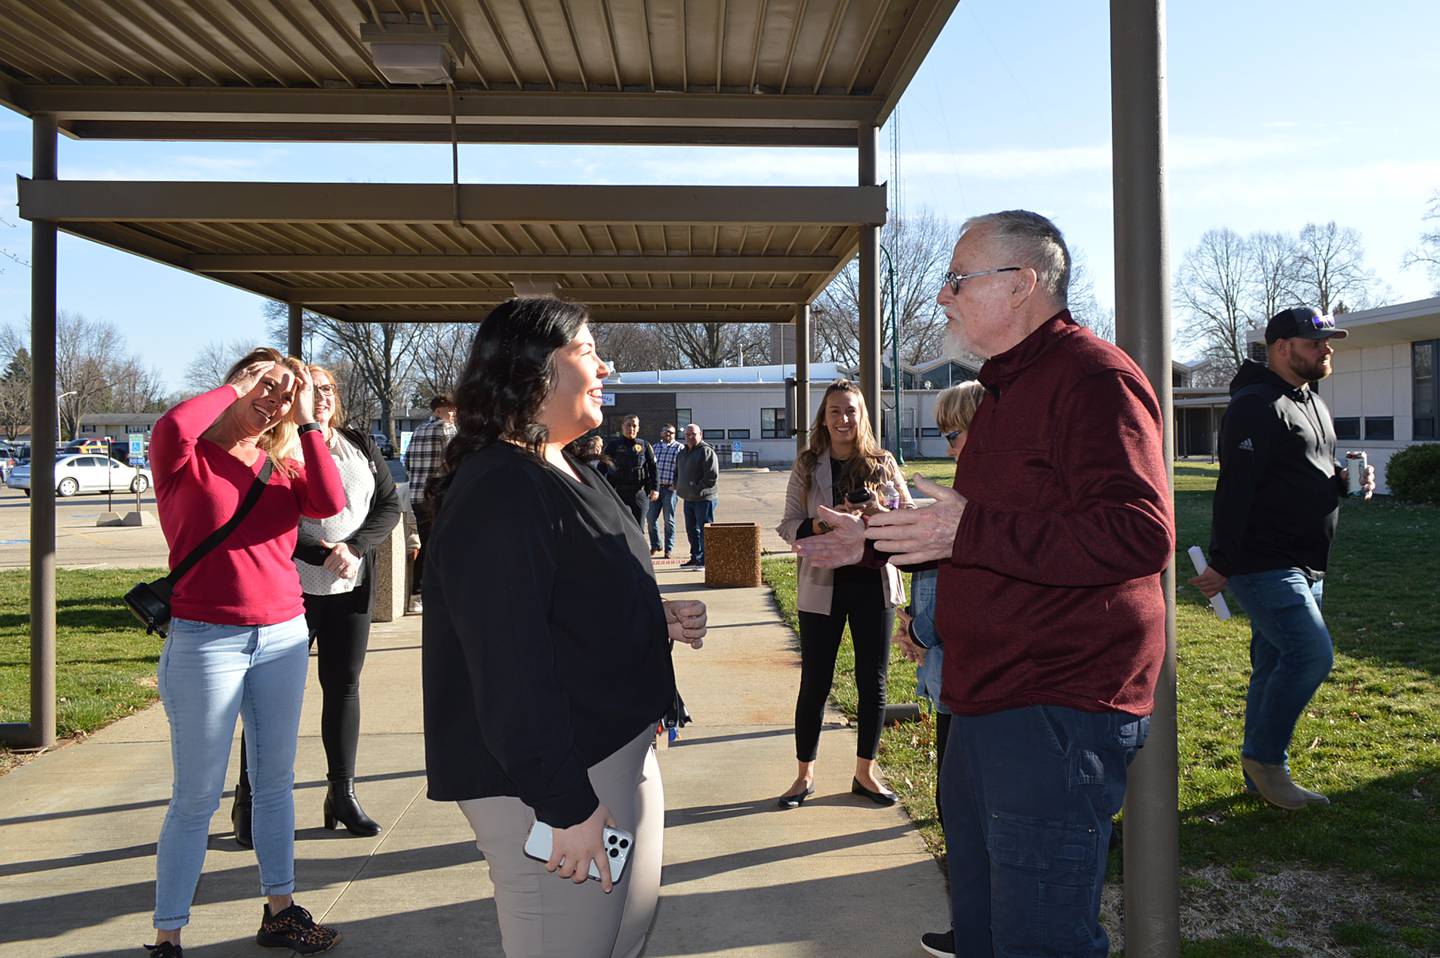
(930, 672)
(209, 675)
(665, 504)
(1291, 653)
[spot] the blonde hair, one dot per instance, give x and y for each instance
(955, 407)
(871, 465)
(281, 441)
(337, 410)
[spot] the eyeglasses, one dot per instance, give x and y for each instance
(950, 437)
(326, 390)
(954, 279)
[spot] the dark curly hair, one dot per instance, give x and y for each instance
(507, 377)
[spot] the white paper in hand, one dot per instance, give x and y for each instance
(1217, 601)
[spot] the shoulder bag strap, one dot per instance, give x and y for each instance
(218, 536)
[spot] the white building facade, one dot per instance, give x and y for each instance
(750, 406)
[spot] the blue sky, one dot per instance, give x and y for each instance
(1279, 113)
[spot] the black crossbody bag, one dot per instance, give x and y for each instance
(149, 602)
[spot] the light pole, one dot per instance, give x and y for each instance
(58, 399)
(894, 349)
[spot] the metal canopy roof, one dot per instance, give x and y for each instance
(398, 252)
(783, 72)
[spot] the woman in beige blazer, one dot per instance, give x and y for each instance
(843, 456)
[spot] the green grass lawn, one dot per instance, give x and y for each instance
(1370, 740)
(105, 664)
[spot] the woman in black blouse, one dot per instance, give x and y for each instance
(534, 707)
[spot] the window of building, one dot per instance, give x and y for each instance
(773, 425)
(737, 434)
(930, 432)
(683, 417)
(1347, 427)
(1425, 388)
(1379, 427)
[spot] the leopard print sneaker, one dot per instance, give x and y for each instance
(293, 928)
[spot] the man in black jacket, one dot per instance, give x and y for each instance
(1274, 516)
(633, 473)
(697, 481)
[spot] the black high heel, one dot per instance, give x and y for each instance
(343, 808)
(240, 817)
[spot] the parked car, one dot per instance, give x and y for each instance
(75, 474)
(88, 445)
(387, 448)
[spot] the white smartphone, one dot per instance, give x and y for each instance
(618, 842)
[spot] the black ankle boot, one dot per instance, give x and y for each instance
(342, 806)
(240, 815)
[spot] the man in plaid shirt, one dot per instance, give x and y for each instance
(424, 460)
(665, 451)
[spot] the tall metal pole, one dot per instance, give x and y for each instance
(895, 384)
(295, 331)
(802, 378)
(44, 420)
(1143, 329)
(870, 379)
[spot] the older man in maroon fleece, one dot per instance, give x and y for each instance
(1050, 547)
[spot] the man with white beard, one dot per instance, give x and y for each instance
(1050, 547)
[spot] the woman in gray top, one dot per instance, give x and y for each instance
(335, 558)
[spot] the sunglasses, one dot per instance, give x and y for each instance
(1322, 322)
(950, 437)
(954, 279)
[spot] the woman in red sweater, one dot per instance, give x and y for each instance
(238, 642)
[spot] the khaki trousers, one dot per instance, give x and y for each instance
(545, 916)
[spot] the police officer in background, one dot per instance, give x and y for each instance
(634, 470)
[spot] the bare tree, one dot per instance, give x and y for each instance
(86, 355)
(918, 248)
(440, 353)
(1085, 309)
(1331, 268)
(381, 356)
(1213, 287)
(207, 370)
(708, 345)
(135, 388)
(633, 346)
(1427, 254)
(1277, 274)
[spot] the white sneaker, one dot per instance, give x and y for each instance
(416, 607)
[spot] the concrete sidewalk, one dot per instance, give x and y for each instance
(836, 877)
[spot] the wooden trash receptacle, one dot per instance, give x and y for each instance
(732, 554)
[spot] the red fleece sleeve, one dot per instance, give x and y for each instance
(1113, 520)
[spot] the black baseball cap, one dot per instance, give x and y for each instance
(1302, 322)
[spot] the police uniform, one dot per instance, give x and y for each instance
(634, 473)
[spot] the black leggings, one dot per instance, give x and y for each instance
(340, 626)
(871, 622)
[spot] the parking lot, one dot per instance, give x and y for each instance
(79, 543)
